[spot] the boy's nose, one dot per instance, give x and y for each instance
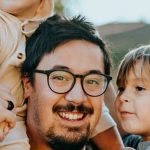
(77, 94)
(125, 96)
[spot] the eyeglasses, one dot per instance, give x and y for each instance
(62, 81)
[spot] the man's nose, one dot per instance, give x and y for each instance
(76, 94)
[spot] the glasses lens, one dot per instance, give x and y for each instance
(60, 81)
(94, 84)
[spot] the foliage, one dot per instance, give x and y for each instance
(58, 7)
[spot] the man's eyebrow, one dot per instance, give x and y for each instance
(67, 68)
(95, 71)
(60, 67)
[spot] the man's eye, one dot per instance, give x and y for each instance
(92, 82)
(61, 78)
(139, 88)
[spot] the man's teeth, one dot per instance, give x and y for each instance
(71, 116)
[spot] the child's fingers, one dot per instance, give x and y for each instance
(2, 128)
(6, 129)
(2, 136)
(10, 119)
(7, 116)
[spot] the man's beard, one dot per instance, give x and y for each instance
(74, 138)
(62, 142)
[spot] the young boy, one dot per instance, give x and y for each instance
(133, 99)
(18, 20)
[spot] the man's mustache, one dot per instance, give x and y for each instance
(70, 107)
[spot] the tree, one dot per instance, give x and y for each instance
(58, 7)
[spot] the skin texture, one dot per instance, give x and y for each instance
(133, 101)
(41, 99)
(22, 9)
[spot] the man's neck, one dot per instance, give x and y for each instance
(44, 147)
(40, 147)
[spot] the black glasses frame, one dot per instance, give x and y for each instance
(48, 72)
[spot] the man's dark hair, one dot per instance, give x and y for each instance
(55, 31)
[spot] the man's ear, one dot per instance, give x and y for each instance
(27, 87)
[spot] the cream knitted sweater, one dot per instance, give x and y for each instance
(13, 33)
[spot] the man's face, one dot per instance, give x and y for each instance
(48, 115)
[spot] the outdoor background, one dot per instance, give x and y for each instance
(123, 25)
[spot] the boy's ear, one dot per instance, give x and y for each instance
(27, 87)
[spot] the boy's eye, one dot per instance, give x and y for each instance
(139, 88)
(120, 89)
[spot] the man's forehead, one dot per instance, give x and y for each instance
(76, 54)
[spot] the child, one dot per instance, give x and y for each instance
(133, 99)
(18, 20)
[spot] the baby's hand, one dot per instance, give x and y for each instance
(7, 115)
(7, 121)
(4, 129)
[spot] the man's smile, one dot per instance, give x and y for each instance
(72, 116)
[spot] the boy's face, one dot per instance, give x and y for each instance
(133, 102)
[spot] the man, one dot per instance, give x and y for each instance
(65, 75)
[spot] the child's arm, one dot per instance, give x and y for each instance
(108, 139)
(106, 135)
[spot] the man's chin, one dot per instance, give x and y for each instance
(70, 139)
(59, 143)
